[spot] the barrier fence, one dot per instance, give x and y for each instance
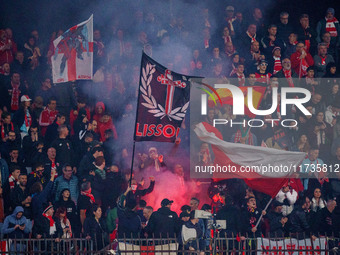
(227, 244)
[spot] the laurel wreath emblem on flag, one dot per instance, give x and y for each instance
(150, 102)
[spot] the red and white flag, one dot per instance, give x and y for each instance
(242, 157)
(73, 54)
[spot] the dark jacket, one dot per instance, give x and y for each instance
(19, 117)
(232, 216)
(129, 223)
(276, 228)
(163, 222)
(65, 152)
(17, 196)
(249, 219)
(71, 210)
(97, 231)
(141, 192)
(324, 223)
(298, 222)
(85, 165)
(39, 199)
(42, 227)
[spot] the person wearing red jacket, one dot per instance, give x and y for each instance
(6, 53)
(106, 123)
(81, 103)
(48, 115)
(301, 60)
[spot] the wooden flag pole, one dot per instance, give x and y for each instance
(265, 209)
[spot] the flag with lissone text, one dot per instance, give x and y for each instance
(73, 54)
(162, 102)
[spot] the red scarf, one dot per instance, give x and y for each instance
(323, 60)
(277, 65)
(15, 97)
(288, 75)
(53, 166)
(253, 38)
(3, 133)
(249, 137)
(330, 26)
(303, 67)
(50, 219)
(241, 79)
(227, 39)
(28, 120)
(12, 182)
(89, 195)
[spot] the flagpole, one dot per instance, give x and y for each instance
(132, 161)
(265, 209)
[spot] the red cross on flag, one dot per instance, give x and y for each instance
(73, 53)
(162, 102)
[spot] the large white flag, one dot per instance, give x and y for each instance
(73, 54)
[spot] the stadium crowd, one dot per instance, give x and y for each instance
(65, 148)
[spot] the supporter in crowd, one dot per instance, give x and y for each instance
(95, 228)
(163, 222)
(63, 223)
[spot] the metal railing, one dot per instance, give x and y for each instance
(228, 244)
(222, 244)
(44, 246)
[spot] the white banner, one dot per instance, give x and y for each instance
(132, 249)
(291, 246)
(73, 54)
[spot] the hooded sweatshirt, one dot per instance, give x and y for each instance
(12, 220)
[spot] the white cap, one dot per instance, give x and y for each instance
(25, 98)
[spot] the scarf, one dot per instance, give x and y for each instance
(89, 195)
(330, 26)
(277, 64)
(3, 132)
(230, 23)
(206, 43)
(15, 97)
(12, 181)
(253, 38)
(53, 166)
(241, 79)
(28, 120)
(101, 173)
(303, 67)
(323, 60)
(233, 71)
(53, 228)
(226, 39)
(240, 133)
(288, 75)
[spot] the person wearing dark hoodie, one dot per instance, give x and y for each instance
(130, 224)
(65, 201)
(330, 78)
(163, 222)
